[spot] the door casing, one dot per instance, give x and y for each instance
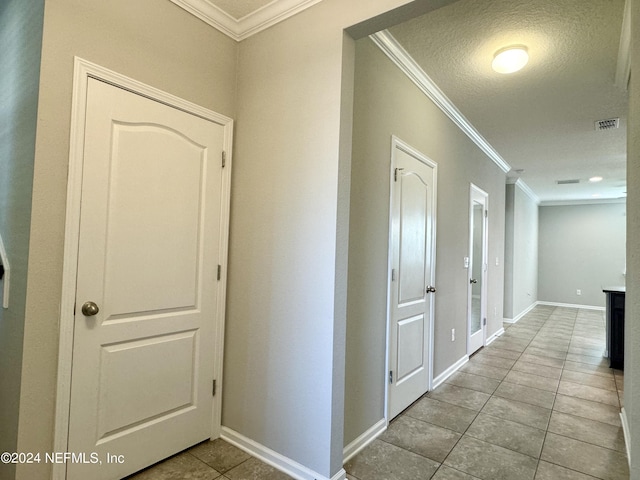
(476, 194)
(83, 70)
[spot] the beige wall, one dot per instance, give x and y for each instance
(153, 41)
(632, 313)
(20, 40)
(387, 103)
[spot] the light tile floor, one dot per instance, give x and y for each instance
(216, 459)
(538, 403)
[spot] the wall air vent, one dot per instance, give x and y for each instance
(566, 182)
(607, 124)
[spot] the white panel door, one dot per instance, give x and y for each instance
(411, 290)
(149, 247)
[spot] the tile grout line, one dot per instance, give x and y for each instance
(568, 437)
(482, 407)
(541, 329)
(553, 404)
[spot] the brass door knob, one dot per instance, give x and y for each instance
(89, 309)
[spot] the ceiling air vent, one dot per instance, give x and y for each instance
(607, 124)
(566, 182)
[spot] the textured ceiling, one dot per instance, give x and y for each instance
(540, 119)
(240, 8)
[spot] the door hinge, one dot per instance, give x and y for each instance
(393, 274)
(213, 390)
(486, 213)
(224, 158)
(219, 272)
(484, 321)
(395, 174)
(390, 376)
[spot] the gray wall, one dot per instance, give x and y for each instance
(632, 312)
(521, 252)
(386, 103)
(581, 247)
(155, 42)
(20, 40)
(286, 311)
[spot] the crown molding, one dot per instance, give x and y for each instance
(239, 29)
(398, 55)
(623, 67)
(527, 191)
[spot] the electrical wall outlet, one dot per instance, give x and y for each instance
(453, 334)
(578, 292)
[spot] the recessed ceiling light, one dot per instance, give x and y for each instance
(510, 59)
(595, 179)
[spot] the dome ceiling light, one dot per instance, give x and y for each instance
(510, 59)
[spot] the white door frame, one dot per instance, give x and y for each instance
(83, 70)
(477, 194)
(397, 144)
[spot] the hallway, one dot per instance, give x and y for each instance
(539, 402)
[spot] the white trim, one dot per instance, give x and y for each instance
(476, 194)
(623, 67)
(571, 305)
(241, 28)
(341, 475)
(399, 56)
(364, 440)
(560, 203)
(527, 191)
(4, 261)
(521, 314)
(493, 337)
(83, 70)
(398, 144)
(440, 379)
(275, 459)
(627, 433)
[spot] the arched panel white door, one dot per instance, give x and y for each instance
(412, 289)
(148, 255)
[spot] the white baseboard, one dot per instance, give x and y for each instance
(571, 305)
(439, 380)
(494, 336)
(275, 459)
(627, 434)
(521, 314)
(363, 440)
(341, 475)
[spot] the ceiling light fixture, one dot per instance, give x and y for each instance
(510, 59)
(595, 179)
